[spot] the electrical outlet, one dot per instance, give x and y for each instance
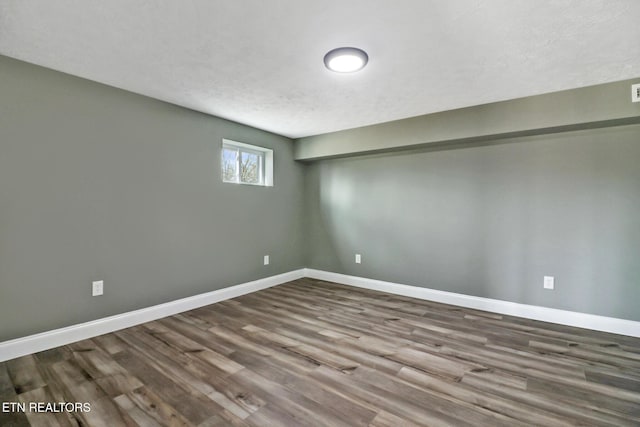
(358, 259)
(97, 288)
(266, 260)
(635, 93)
(549, 282)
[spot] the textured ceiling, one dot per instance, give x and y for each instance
(260, 62)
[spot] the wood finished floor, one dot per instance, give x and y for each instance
(313, 353)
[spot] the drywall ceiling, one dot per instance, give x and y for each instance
(260, 62)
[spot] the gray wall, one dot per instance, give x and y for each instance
(98, 183)
(583, 108)
(490, 220)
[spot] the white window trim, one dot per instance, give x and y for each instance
(266, 162)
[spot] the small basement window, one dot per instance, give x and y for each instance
(246, 164)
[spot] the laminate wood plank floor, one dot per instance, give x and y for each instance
(314, 353)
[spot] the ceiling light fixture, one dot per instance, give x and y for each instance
(346, 59)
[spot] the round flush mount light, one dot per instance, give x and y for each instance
(346, 59)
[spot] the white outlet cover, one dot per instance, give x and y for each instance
(97, 288)
(266, 260)
(549, 282)
(635, 92)
(358, 259)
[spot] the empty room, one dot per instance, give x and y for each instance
(332, 213)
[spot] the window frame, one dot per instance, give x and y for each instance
(265, 162)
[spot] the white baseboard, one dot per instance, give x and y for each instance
(563, 317)
(57, 337)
